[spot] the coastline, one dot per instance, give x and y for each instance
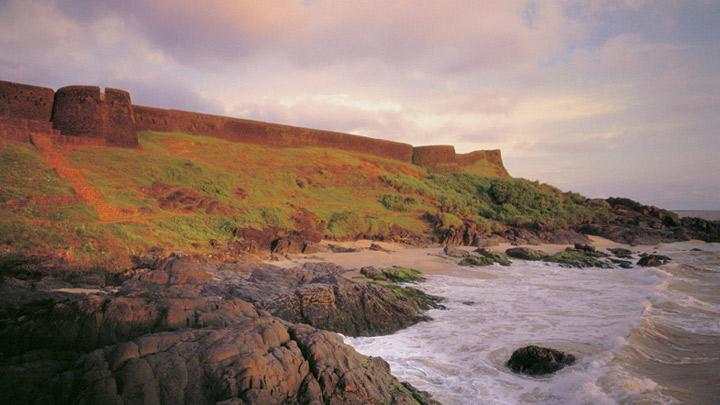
(431, 260)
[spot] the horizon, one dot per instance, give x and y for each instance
(602, 98)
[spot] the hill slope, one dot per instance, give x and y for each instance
(100, 206)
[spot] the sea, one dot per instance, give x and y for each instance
(641, 336)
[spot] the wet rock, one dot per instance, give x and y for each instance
(653, 260)
(625, 264)
(395, 274)
(580, 259)
(335, 303)
(585, 247)
(621, 252)
(536, 360)
(371, 272)
(498, 258)
(456, 252)
(525, 253)
(476, 261)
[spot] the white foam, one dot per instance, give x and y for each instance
(460, 355)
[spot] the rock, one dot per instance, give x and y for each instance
(393, 274)
(653, 260)
(580, 259)
(621, 252)
(371, 272)
(490, 241)
(377, 248)
(498, 258)
(456, 252)
(636, 224)
(335, 303)
(585, 247)
(342, 249)
(525, 253)
(535, 360)
(288, 245)
(476, 261)
(312, 248)
(192, 331)
(696, 250)
(622, 263)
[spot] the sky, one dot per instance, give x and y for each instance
(605, 98)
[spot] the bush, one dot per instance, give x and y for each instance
(395, 202)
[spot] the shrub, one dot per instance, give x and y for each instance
(395, 202)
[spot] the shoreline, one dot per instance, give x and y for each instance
(432, 261)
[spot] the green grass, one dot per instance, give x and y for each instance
(25, 174)
(257, 186)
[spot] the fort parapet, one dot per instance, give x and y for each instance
(24, 101)
(87, 115)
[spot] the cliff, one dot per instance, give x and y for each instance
(88, 115)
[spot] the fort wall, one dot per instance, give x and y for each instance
(25, 101)
(241, 130)
(434, 155)
(78, 111)
(87, 115)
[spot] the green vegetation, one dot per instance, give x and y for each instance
(526, 253)
(578, 258)
(396, 202)
(180, 191)
(476, 261)
(499, 258)
(398, 275)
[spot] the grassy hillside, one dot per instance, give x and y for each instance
(181, 191)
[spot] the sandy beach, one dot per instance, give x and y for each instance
(431, 260)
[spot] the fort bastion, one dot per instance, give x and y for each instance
(88, 115)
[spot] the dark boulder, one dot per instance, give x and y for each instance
(621, 252)
(585, 247)
(653, 260)
(536, 360)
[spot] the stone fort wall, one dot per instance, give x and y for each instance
(87, 115)
(241, 130)
(24, 101)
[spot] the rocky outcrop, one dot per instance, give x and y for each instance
(637, 224)
(318, 294)
(184, 333)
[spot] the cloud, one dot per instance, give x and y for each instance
(613, 93)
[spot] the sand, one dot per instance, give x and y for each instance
(426, 260)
